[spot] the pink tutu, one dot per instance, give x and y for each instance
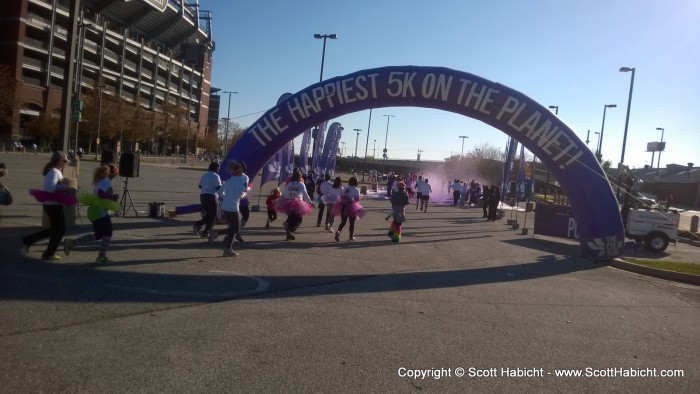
(61, 198)
(354, 209)
(299, 207)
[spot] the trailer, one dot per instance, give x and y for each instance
(653, 229)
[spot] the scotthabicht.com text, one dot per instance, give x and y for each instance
(518, 372)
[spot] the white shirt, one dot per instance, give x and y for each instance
(352, 193)
(332, 196)
(325, 186)
(425, 188)
(233, 190)
(209, 182)
(53, 182)
(295, 189)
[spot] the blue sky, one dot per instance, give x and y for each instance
(563, 53)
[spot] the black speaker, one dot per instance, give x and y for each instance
(107, 157)
(129, 164)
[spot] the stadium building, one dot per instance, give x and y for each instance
(143, 65)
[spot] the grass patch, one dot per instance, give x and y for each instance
(686, 268)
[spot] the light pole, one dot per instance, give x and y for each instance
(374, 150)
(599, 152)
(357, 140)
(598, 143)
(386, 136)
(629, 104)
(228, 118)
(658, 163)
(364, 170)
(546, 188)
(316, 130)
(463, 137)
(99, 119)
(323, 55)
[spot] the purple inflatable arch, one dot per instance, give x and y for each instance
(592, 200)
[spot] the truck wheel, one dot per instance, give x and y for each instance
(656, 242)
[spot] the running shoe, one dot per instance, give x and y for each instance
(230, 253)
(212, 236)
(68, 245)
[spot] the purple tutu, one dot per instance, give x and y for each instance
(296, 206)
(354, 209)
(61, 198)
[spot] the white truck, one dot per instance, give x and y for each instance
(654, 229)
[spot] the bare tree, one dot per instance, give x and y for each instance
(45, 127)
(7, 94)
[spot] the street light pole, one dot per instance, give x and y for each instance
(463, 137)
(364, 170)
(357, 140)
(99, 119)
(314, 135)
(323, 55)
(658, 163)
(228, 118)
(386, 136)
(627, 119)
(599, 153)
(546, 188)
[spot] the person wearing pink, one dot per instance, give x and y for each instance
(295, 202)
(349, 208)
(331, 197)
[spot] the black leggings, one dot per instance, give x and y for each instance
(245, 212)
(321, 207)
(293, 222)
(210, 207)
(233, 227)
(343, 220)
(55, 232)
(271, 215)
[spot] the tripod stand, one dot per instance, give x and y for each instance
(122, 203)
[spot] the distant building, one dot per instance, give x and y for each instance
(147, 52)
(682, 181)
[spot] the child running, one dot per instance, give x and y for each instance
(99, 203)
(270, 202)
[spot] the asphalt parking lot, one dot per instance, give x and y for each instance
(457, 295)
